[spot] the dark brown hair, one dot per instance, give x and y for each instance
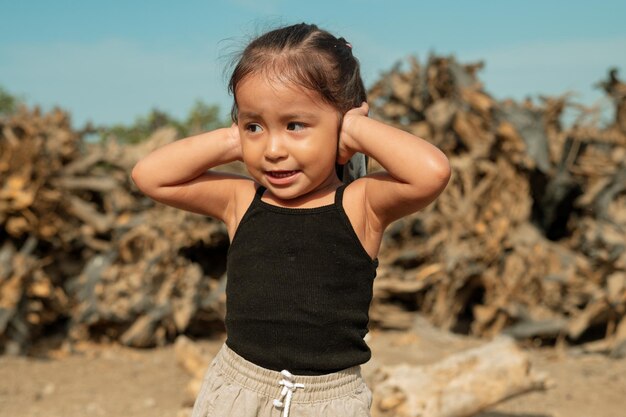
(307, 56)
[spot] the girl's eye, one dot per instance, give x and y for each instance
(295, 126)
(253, 128)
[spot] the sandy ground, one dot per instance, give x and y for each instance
(111, 380)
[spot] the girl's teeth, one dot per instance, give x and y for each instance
(283, 174)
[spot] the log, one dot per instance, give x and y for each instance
(194, 360)
(458, 386)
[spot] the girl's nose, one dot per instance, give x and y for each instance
(275, 148)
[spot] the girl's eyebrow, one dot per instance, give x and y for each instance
(253, 115)
(249, 115)
(302, 115)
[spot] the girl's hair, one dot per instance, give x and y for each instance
(307, 56)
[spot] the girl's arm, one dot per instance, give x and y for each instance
(176, 174)
(417, 172)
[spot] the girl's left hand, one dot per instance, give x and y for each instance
(347, 146)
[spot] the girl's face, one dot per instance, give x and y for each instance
(288, 136)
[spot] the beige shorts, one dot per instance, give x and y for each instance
(234, 387)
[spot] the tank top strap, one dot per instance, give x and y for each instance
(339, 195)
(259, 193)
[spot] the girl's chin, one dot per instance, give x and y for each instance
(285, 193)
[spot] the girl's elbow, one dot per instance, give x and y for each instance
(135, 175)
(443, 171)
(428, 187)
(440, 171)
(141, 178)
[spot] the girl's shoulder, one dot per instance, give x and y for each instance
(353, 200)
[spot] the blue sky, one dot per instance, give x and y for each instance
(111, 61)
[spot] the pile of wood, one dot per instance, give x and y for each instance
(529, 235)
(84, 254)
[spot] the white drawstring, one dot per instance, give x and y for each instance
(289, 386)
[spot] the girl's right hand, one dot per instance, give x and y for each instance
(347, 143)
(236, 140)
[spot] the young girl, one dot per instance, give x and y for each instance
(304, 245)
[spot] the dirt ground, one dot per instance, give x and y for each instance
(111, 380)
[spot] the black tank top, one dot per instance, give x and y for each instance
(299, 288)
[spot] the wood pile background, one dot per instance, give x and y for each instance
(528, 238)
(85, 255)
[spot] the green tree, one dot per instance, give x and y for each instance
(201, 118)
(8, 102)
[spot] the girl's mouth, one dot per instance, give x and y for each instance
(281, 174)
(281, 177)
